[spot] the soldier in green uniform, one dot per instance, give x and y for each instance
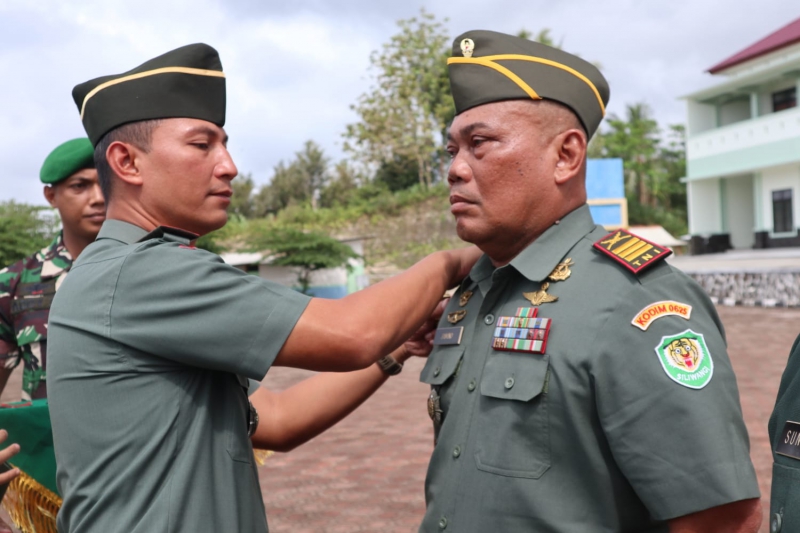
(579, 383)
(150, 368)
(27, 287)
(784, 435)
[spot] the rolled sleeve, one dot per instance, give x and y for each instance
(187, 306)
(682, 449)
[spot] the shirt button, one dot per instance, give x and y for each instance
(457, 452)
(488, 319)
(471, 386)
(509, 383)
(443, 522)
(775, 523)
(437, 371)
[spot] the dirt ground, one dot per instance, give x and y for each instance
(367, 473)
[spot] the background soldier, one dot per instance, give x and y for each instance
(27, 287)
(592, 390)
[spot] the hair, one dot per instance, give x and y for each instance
(139, 134)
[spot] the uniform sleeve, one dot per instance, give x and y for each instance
(186, 305)
(673, 420)
(8, 339)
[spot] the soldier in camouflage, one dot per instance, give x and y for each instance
(27, 287)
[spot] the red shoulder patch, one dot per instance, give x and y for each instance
(635, 253)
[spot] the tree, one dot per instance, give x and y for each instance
(298, 182)
(308, 251)
(341, 189)
(24, 229)
(405, 115)
(242, 202)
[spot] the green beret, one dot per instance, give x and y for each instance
(66, 160)
(490, 67)
(187, 82)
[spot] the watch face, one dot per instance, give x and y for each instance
(252, 420)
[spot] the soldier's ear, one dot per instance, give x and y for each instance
(122, 159)
(50, 195)
(571, 146)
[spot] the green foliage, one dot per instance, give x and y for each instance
(405, 115)
(24, 229)
(653, 167)
(397, 173)
(309, 251)
(242, 201)
(342, 188)
(298, 182)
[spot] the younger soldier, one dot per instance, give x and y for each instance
(27, 287)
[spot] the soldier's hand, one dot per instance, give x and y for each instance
(421, 342)
(5, 454)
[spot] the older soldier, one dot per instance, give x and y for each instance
(27, 287)
(579, 383)
(150, 368)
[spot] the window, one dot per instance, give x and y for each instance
(782, 211)
(784, 99)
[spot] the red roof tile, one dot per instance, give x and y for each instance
(785, 36)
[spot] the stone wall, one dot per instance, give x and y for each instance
(768, 289)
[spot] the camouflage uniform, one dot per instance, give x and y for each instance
(26, 291)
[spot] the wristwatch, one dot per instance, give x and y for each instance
(389, 365)
(252, 420)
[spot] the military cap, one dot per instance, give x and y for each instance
(66, 160)
(488, 66)
(187, 82)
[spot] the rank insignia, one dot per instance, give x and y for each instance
(540, 297)
(789, 441)
(633, 252)
(456, 316)
(561, 271)
(686, 359)
(464, 298)
(522, 333)
(448, 336)
(646, 316)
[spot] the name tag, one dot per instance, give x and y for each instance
(446, 336)
(789, 440)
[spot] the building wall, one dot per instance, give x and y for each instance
(702, 117)
(739, 211)
(704, 207)
(777, 178)
(734, 111)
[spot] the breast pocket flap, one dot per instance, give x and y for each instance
(514, 376)
(441, 365)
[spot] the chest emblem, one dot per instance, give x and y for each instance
(540, 297)
(464, 298)
(456, 316)
(686, 359)
(562, 270)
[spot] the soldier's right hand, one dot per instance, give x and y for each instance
(5, 454)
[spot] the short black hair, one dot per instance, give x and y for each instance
(138, 134)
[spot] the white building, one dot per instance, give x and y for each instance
(743, 149)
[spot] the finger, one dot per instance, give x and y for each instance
(3, 435)
(6, 477)
(9, 452)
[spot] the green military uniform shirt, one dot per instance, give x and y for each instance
(152, 342)
(599, 433)
(26, 291)
(784, 435)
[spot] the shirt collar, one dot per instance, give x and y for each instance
(121, 231)
(538, 260)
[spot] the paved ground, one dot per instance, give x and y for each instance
(767, 260)
(367, 473)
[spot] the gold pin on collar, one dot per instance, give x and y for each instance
(562, 270)
(456, 316)
(464, 299)
(539, 297)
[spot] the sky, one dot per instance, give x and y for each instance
(294, 68)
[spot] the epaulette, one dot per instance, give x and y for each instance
(635, 253)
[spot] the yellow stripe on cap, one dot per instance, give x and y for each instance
(154, 72)
(489, 61)
(486, 62)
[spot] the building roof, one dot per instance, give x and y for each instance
(789, 34)
(656, 234)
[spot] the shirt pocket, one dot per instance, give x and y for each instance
(513, 433)
(439, 372)
(784, 498)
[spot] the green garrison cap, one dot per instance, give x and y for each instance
(488, 66)
(187, 82)
(66, 160)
